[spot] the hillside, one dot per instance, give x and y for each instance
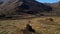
(18, 7)
(56, 8)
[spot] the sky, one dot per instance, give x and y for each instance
(48, 1)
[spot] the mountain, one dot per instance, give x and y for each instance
(32, 6)
(13, 7)
(9, 6)
(56, 8)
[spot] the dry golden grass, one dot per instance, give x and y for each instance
(41, 25)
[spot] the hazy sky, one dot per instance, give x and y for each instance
(48, 1)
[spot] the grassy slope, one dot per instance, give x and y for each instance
(41, 25)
